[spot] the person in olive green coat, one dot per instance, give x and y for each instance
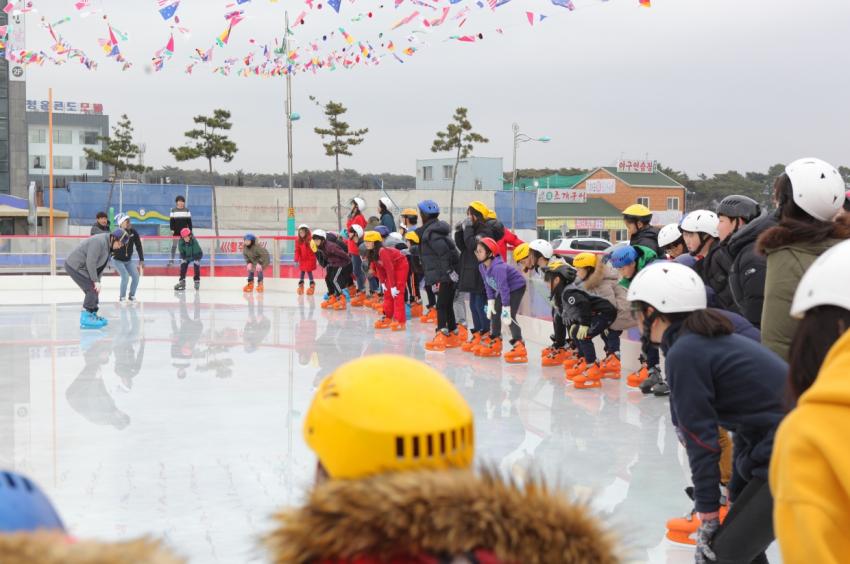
(190, 252)
(256, 259)
(804, 194)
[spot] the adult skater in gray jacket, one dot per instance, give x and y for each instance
(85, 266)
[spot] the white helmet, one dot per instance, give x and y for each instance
(360, 202)
(320, 233)
(121, 218)
(669, 287)
(358, 230)
(394, 239)
(303, 226)
(817, 187)
(542, 247)
(669, 234)
(701, 221)
(387, 202)
(825, 282)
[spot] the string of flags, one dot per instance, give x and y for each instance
(288, 54)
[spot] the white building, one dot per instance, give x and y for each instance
(473, 173)
(72, 134)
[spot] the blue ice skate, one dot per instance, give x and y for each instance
(89, 320)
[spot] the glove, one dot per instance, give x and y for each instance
(97, 287)
(394, 292)
(582, 332)
(491, 309)
(435, 288)
(506, 313)
(705, 534)
(383, 288)
(453, 276)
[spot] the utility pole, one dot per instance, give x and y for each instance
(290, 218)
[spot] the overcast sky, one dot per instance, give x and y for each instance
(701, 85)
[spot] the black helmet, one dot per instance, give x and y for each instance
(739, 206)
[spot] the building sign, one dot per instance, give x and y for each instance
(601, 186)
(561, 196)
(17, 42)
(647, 167)
(593, 224)
(65, 107)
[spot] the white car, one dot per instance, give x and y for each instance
(572, 247)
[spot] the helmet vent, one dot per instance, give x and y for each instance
(9, 480)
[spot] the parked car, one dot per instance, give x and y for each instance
(570, 247)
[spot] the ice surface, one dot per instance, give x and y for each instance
(182, 419)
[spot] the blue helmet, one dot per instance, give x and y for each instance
(382, 229)
(250, 237)
(623, 256)
(429, 207)
(23, 506)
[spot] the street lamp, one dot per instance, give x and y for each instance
(520, 138)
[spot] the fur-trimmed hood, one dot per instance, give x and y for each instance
(406, 514)
(781, 236)
(604, 282)
(53, 548)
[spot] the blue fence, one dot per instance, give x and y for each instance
(147, 204)
(526, 208)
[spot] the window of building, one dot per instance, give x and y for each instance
(63, 136)
(673, 203)
(621, 235)
(38, 161)
(447, 172)
(427, 173)
(89, 138)
(644, 201)
(63, 163)
(38, 135)
(88, 164)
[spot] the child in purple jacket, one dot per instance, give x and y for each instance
(505, 286)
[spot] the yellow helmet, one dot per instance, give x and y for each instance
(584, 260)
(491, 215)
(412, 236)
(521, 251)
(637, 212)
(313, 246)
(481, 208)
(388, 413)
(373, 237)
(409, 212)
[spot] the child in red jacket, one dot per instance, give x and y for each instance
(391, 268)
(306, 259)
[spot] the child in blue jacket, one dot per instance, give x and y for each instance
(504, 286)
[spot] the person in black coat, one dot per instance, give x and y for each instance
(749, 268)
(440, 262)
(475, 227)
(637, 218)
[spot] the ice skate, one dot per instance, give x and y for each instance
(396, 326)
(300, 290)
(571, 361)
(197, 284)
(430, 317)
(383, 323)
(328, 303)
(439, 342)
(260, 288)
(653, 379)
(661, 389)
(555, 357)
(492, 350)
(462, 333)
(682, 530)
(483, 343)
(635, 378)
(248, 288)
(359, 300)
(590, 378)
(611, 367)
(340, 304)
(180, 286)
(454, 341)
(576, 370)
(517, 355)
(89, 320)
(312, 289)
(415, 310)
(472, 343)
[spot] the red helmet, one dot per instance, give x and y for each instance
(490, 245)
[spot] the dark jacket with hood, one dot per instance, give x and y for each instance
(466, 239)
(714, 271)
(387, 220)
(98, 229)
(125, 253)
(791, 250)
(729, 381)
(438, 252)
(647, 237)
(335, 251)
(433, 517)
(749, 268)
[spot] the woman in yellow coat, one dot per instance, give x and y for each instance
(810, 467)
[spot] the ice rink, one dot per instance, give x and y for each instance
(182, 419)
